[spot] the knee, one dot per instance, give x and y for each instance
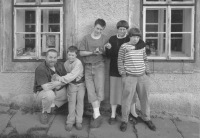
(50, 95)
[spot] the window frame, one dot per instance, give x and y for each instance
(169, 6)
(38, 8)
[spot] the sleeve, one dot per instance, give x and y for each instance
(108, 52)
(76, 71)
(41, 76)
(83, 45)
(141, 44)
(121, 56)
(146, 62)
(63, 70)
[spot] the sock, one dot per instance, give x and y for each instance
(53, 105)
(96, 112)
(133, 111)
(113, 111)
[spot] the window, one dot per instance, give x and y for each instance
(38, 26)
(168, 28)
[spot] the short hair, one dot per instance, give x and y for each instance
(73, 49)
(101, 22)
(134, 32)
(51, 50)
(122, 23)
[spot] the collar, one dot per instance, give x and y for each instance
(121, 37)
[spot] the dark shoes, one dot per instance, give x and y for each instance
(95, 123)
(112, 121)
(150, 125)
(79, 126)
(68, 127)
(123, 126)
(134, 119)
(44, 118)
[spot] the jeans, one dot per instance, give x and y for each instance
(75, 102)
(131, 85)
(95, 79)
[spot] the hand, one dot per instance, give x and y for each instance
(97, 52)
(148, 74)
(55, 77)
(123, 76)
(108, 46)
(54, 84)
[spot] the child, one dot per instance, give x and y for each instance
(134, 69)
(91, 50)
(111, 51)
(76, 88)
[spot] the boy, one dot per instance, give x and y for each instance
(76, 88)
(91, 49)
(134, 69)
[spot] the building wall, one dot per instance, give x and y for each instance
(175, 86)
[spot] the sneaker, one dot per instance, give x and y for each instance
(112, 121)
(68, 127)
(150, 125)
(95, 123)
(79, 126)
(44, 118)
(54, 109)
(123, 126)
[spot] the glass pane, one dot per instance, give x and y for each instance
(181, 45)
(156, 44)
(25, 45)
(50, 41)
(181, 20)
(182, 0)
(25, 1)
(155, 20)
(155, 0)
(25, 20)
(50, 20)
(51, 0)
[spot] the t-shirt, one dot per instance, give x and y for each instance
(90, 44)
(43, 74)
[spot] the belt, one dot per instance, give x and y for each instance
(134, 75)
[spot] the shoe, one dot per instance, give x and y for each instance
(79, 126)
(134, 119)
(95, 123)
(123, 126)
(68, 127)
(44, 118)
(150, 125)
(112, 121)
(54, 110)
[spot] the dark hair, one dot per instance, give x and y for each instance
(73, 49)
(134, 32)
(51, 50)
(101, 22)
(122, 23)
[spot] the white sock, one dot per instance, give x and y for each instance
(113, 111)
(96, 112)
(53, 105)
(133, 111)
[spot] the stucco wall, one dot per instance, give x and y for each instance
(175, 86)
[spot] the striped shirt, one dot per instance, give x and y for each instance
(131, 61)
